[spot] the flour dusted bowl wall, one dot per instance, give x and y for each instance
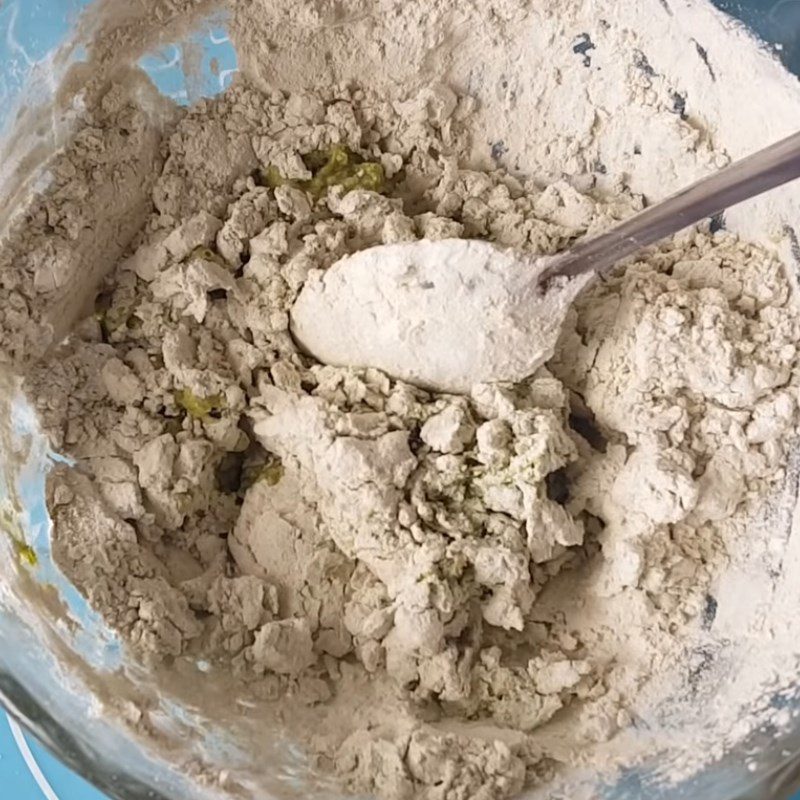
(651, 96)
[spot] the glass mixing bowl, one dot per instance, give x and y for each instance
(62, 671)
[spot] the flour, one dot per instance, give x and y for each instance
(511, 576)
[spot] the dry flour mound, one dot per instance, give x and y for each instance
(505, 573)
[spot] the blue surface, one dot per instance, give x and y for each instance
(31, 29)
(29, 772)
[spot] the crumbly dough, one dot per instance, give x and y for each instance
(318, 530)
